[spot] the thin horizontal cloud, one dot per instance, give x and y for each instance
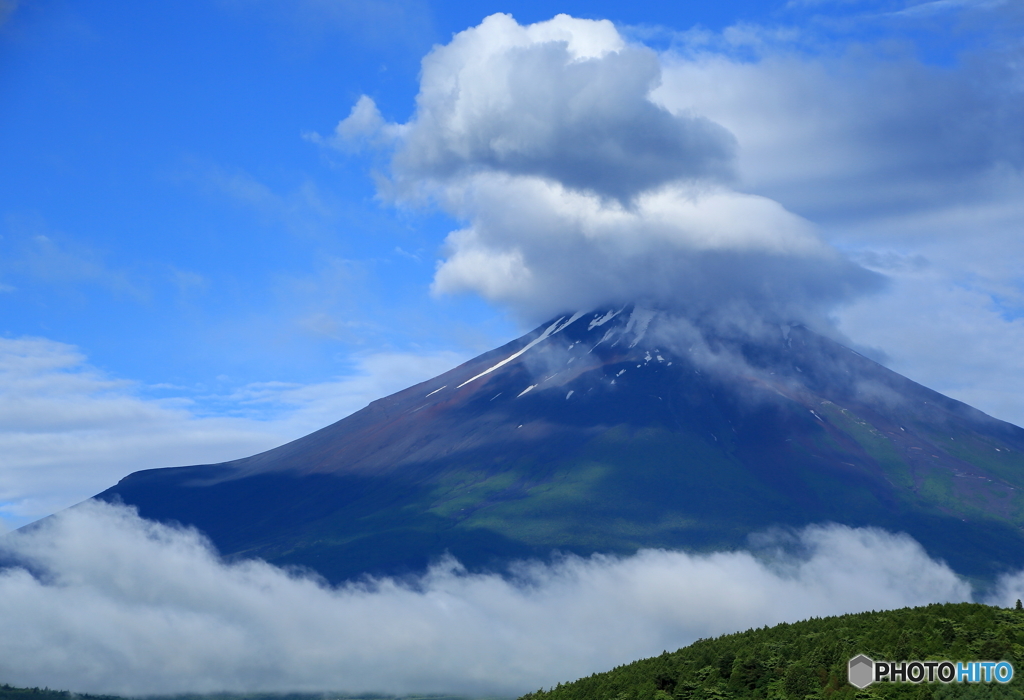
(69, 431)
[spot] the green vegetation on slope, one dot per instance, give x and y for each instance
(807, 660)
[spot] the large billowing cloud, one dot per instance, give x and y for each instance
(114, 603)
(565, 100)
(579, 190)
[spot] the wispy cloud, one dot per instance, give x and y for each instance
(303, 209)
(35, 253)
(7, 8)
(381, 26)
(934, 7)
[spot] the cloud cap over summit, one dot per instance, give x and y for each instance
(579, 190)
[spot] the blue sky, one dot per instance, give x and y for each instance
(194, 264)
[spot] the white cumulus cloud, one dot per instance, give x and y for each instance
(579, 189)
(565, 100)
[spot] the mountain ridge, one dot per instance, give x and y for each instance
(615, 430)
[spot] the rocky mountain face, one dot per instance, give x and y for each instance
(611, 431)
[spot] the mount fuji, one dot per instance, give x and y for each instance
(611, 431)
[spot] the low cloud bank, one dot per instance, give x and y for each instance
(103, 601)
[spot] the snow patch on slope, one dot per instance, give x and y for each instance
(603, 320)
(555, 327)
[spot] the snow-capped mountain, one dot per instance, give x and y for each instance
(611, 431)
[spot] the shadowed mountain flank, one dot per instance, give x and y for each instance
(612, 431)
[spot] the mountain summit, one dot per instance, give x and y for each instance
(611, 431)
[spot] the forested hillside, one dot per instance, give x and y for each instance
(807, 660)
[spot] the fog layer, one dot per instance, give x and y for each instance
(103, 601)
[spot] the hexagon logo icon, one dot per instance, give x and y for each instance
(861, 671)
